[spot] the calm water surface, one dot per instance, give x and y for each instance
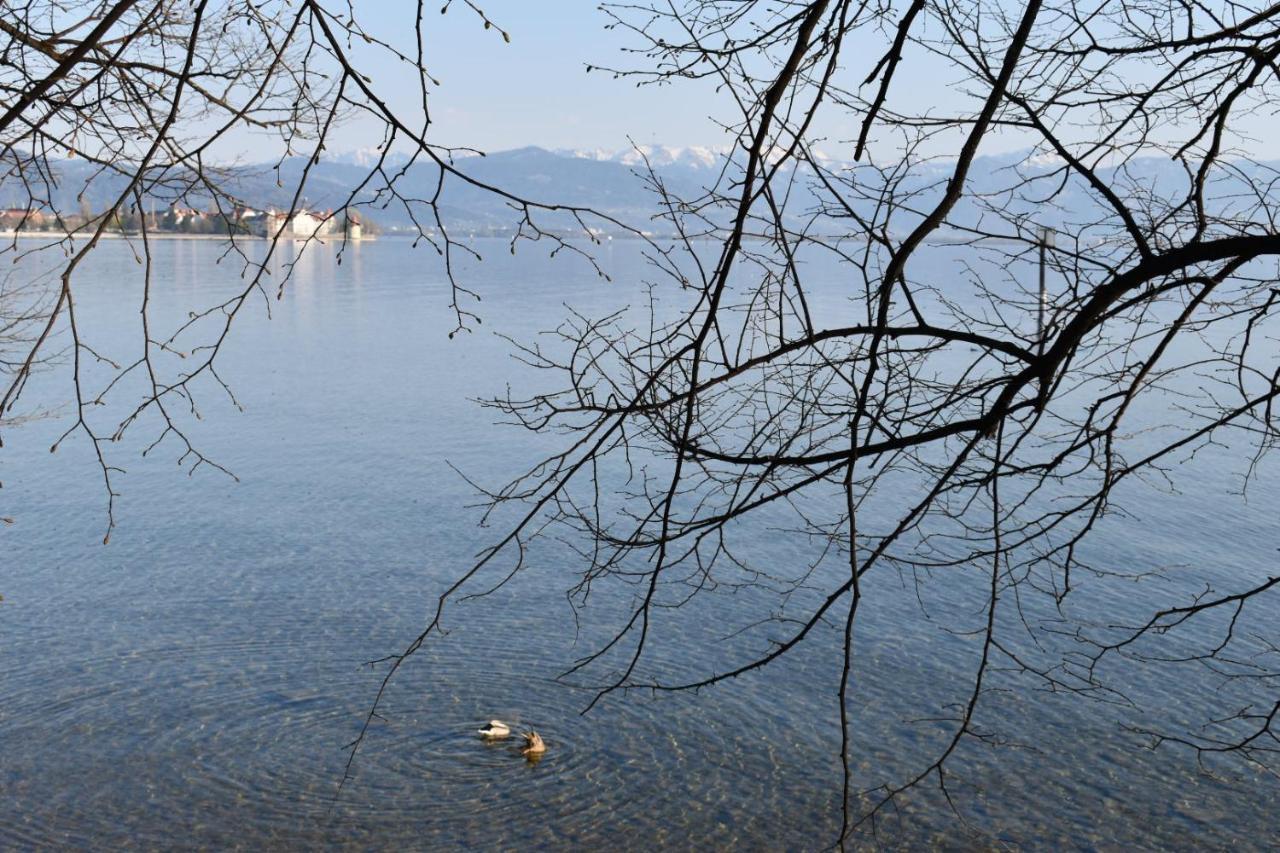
(193, 684)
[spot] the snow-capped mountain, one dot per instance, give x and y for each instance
(666, 156)
(366, 157)
(658, 156)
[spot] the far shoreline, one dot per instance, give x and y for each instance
(53, 237)
(59, 236)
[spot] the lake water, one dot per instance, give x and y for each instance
(194, 682)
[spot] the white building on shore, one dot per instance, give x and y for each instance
(304, 224)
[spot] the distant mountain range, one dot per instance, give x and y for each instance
(691, 156)
(608, 181)
(610, 185)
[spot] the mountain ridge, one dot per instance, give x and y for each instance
(610, 182)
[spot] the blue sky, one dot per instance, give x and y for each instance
(534, 90)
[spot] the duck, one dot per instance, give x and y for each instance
(495, 729)
(533, 744)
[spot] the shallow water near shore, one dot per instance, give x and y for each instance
(194, 682)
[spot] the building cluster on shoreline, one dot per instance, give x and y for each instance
(300, 224)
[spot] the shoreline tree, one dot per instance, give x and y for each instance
(963, 425)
